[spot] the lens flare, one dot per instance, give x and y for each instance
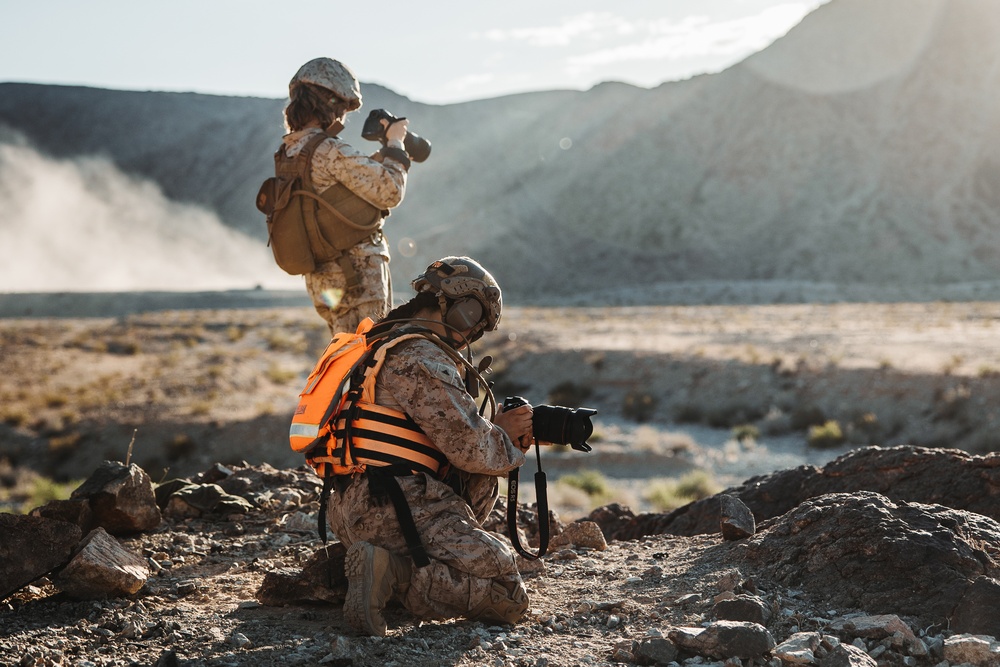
(332, 297)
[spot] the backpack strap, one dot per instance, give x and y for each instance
(309, 211)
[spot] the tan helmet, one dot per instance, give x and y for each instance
(469, 296)
(332, 75)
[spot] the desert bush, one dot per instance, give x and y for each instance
(122, 346)
(55, 399)
(569, 394)
(804, 416)
(746, 433)
(15, 415)
(951, 403)
(65, 443)
(639, 406)
(828, 434)
(688, 413)
(731, 415)
(283, 340)
(668, 494)
(42, 490)
(279, 375)
(865, 429)
(180, 446)
(591, 482)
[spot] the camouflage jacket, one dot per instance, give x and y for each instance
(423, 381)
(379, 181)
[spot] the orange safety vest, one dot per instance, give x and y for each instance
(338, 425)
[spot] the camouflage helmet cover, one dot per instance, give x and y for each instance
(332, 75)
(458, 277)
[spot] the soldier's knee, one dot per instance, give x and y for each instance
(506, 603)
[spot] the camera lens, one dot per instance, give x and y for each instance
(564, 426)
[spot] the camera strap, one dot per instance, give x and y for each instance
(542, 501)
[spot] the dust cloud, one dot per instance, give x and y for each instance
(83, 225)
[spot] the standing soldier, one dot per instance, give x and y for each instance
(350, 276)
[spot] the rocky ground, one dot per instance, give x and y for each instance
(643, 601)
(179, 391)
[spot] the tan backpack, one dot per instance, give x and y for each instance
(304, 228)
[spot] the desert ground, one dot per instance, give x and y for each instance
(707, 394)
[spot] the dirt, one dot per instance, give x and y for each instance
(181, 390)
(200, 607)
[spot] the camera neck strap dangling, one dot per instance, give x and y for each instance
(542, 501)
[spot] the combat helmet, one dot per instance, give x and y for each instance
(332, 75)
(468, 295)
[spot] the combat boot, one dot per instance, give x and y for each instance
(373, 575)
(506, 603)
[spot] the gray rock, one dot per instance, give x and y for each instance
(948, 477)
(845, 655)
(655, 651)
(102, 568)
(725, 639)
(736, 521)
(121, 498)
(977, 611)
(863, 551)
(972, 649)
(322, 579)
(799, 649)
(743, 607)
(586, 534)
(31, 546)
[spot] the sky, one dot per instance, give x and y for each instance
(435, 52)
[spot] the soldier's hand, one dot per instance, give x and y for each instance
(396, 131)
(517, 424)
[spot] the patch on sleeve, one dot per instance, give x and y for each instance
(442, 371)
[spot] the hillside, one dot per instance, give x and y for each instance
(859, 148)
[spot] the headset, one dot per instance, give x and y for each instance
(464, 313)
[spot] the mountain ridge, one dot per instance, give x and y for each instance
(783, 167)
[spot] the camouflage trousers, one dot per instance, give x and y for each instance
(466, 560)
(343, 308)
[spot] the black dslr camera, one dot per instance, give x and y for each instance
(416, 146)
(556, 424)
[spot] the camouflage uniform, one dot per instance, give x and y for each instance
(468, 564)
(382, 183)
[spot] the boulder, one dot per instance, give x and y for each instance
(736, 521)
(32, 546)
(102, 568)
(743, 607)
(725, 639)
(845, 655)
(121, 498)
(322, 579)
(583, 534)
(863, 551)
(949, 477)
(971, 649)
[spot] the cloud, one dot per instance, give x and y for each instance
(592, 26)
(83, 225)
(698, 36)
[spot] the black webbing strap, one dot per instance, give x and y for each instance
(541, 499)
(324, 499)
(382, 482)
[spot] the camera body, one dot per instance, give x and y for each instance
(558, 424)
(416, 146)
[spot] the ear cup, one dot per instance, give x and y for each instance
(464, 314)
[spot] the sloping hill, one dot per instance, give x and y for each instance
(861, 147)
